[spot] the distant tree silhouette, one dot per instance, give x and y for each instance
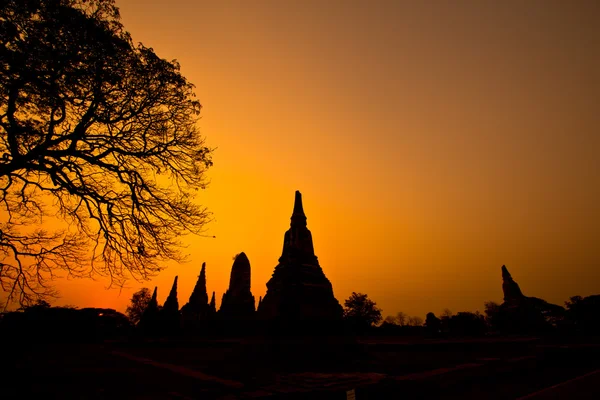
(37, 305)
(88, 122)
(583, 314)
(493, 315)
(138, 304)
(445, 320)
(401, 319)
(467, 324)
(361, 312)
(40, 323)
(391, 320)
(433, 324)
(415, 321)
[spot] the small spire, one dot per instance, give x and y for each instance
(199, 296)
(510, 288)
(298, 209)
(505, 273)
(213, 304)
(298, 216)
(151, 312)
(171, 303)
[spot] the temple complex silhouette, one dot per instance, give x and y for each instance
(298, 293)
(519, 313)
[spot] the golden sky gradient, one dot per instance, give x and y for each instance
(433, 142)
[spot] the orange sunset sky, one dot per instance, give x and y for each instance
(432, 141)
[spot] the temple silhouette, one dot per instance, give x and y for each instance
(519, 313)
(298, 293)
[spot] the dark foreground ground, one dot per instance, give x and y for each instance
(375, 368)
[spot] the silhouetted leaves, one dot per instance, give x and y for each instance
(583, 314)
(98, 132)
(139, 302)
(361, 312)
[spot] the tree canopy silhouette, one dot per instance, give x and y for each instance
(361, 311)
(138, 304)
(97, 132)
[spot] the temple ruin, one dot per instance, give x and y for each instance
(522, 314)
(238, 301)
(297, 293)
(298, 290)
(197, 308)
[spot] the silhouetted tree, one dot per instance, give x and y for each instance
(401, 319)
(583, 314)
(98, 132)
(361, 312)
(415, 321)
(389, 326)
(39, 304)
(493, 315)
(467, 324)
(40, 323)
(445, 320)
(138, 304)
(432, 324)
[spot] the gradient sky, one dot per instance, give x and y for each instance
(433, 142)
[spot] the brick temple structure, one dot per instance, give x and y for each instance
(510, 288)
(298, 291)
(522, 314)
(298, 294)
(197, 311)
(238, 301)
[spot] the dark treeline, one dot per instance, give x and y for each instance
(238, 316)
(580, 316)
(42, 323)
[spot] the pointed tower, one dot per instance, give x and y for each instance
(259, 301)
(213, 304)
(170, 318)
(152, 307)
(149, 319)
(299, 291)
(172, 304)
(512, 291)
(153, 304)
(238, 301)
(197, 306)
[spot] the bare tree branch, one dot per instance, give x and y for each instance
(100, 133)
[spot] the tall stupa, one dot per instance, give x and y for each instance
(299, 291)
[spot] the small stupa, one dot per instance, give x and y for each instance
(170, 318)
(197, 308)
(238, 301)
(213, 305)
(149, 320)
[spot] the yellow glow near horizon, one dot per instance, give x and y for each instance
(432, 143)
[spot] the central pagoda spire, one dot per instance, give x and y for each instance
(297, 241)
(298, 216)
(299, 290)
